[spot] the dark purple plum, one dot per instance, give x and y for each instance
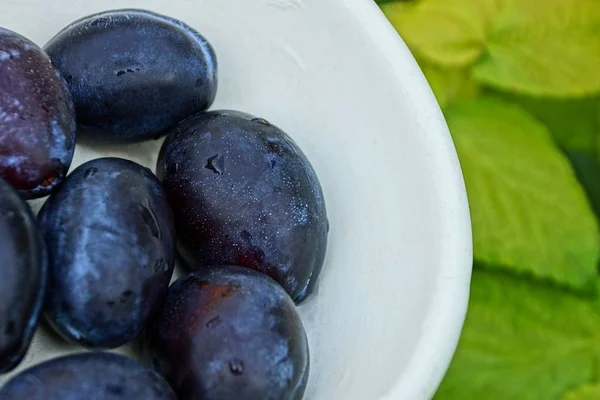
(133, 74)
(243, 193)
(37, 119)
(229, 333)
(88, 376)
(111, 245)
(23, 271)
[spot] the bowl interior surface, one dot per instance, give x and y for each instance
(387, 313)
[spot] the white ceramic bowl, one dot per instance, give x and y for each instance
(387, 314)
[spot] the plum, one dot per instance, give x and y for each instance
(37, 118)
(243, 193)
(111, 245)
(89, 376)
(133, 73)
(23, 271)
(229, 333)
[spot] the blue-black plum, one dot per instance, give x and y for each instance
(243, 193)
(111, 245)
(23, 270)
(88, 376)
(229, 333)
(133, 73)
(37, 119)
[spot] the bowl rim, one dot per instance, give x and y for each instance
(446, 314)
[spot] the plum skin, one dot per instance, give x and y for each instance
(243, 193)
(111, 245)
(90, 376)
(229, 333)
(37, 118)
(23, 272)
(133, 73)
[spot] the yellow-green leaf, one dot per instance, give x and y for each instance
(523, 340)
(573, 123)
(575, 126)
(587, 169)
(529, 212)
(590, 391)
(544, 48)
(598, 133)
(450, 84)
(446, 32)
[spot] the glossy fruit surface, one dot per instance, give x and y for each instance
(37, 119)
(111, 245)
(229, 333)
(133, 73)
(23, 271)
(88, 376)
(243, 193)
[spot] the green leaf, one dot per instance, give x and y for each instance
(574, 123)
(598, 132)
(391, 1)
(522, 340)
(589, 391)
(450, 84)
(529, 213)
(587, 169)
(548, 48)
(575, 126)
(446, 32)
